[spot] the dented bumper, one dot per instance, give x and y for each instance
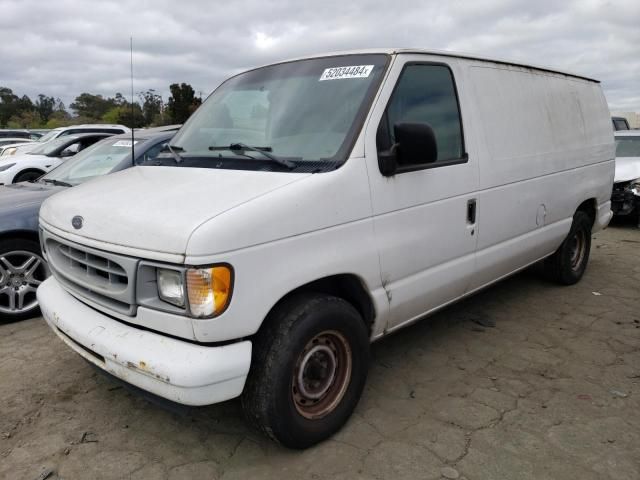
(625, 199)
(179, 371)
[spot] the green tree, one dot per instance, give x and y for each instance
(45, 106)
(152, 106)
(123, 115)
(91, 106)
(182, 102)
(24, 119)
(59, 118)
(8, 105)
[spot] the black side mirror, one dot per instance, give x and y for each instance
(387, 161)
(415, 145)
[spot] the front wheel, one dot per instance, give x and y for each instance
(22, 269)
(28, 176)
(568, 263)
(309, 367)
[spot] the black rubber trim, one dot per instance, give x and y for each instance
(79, 345)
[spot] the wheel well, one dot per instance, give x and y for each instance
(589, 207)
(346, 286)
(20, 234)
(26, 170)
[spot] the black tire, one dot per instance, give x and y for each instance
(272, 401)
(28, 175)
(568, 264)
(16, 252)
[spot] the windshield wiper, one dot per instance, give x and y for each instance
(174, 152)
(57, 183)
(241, 147)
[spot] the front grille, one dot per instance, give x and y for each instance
(100, 277)
(104, 272)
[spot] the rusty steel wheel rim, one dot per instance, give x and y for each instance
(577, 249)
(321, 375)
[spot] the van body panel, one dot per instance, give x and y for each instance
(287, 264)
(316, 202)
(414, 211)
(312, 229)
(541, 155)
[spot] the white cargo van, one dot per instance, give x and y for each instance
(312, 206)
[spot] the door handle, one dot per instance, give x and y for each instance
(471, 211)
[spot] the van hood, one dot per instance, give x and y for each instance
(157, 208)
(627, 168)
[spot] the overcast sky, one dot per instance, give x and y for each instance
(66, 47)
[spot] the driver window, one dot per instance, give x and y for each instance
(425, 94)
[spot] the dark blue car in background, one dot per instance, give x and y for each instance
(22, 267)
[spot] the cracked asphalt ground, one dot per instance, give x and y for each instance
(552, 391)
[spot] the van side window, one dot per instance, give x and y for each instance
(425, 94)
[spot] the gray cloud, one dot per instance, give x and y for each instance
(67, 47)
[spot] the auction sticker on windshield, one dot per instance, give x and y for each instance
(354, 71)
(124, 143)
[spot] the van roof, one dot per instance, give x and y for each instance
(443, 53)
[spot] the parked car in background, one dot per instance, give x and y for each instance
(11, 140)
(162, 128)
(31, 165)
(12, 145)
(620, 123)
(6, 133)
(38, 133)
(20, 203)
(310, 207)
(625, 198)
(64, 131)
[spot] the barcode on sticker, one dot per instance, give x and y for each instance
(354, 71)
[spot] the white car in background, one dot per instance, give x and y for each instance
(20, 148)
(625, 198)
(6, 143)
(29, 166)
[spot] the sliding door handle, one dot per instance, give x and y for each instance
(471, 211)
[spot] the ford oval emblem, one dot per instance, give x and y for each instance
(77, 222)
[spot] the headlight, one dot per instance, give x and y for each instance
(209, 290)
(10, 151)
(6, 167)
(170, 286)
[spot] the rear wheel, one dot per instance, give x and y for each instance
(568, 264)
(22, 269)
(308, 370)
(28, 176)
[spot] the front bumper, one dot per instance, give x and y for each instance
(624, 200)
(179, 371)
(6, 177)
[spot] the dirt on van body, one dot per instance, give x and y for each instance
(526, 380)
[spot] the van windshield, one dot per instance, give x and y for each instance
(305, 112)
